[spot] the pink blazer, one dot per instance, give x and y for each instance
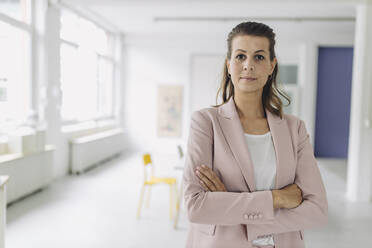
(235, 218)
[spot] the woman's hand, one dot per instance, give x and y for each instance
(288, 197)
(208, 179)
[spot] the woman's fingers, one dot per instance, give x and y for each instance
(204, 185)
(292, 196)
(213, 177)
(209, 173)
(206, 181)
(210, 178)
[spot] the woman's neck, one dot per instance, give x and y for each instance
(249, 105)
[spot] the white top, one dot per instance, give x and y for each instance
(262, 153)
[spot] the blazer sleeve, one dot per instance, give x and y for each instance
(219, 208)
(313, 211)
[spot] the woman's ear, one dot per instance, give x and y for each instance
(273, 64)
(228, 66)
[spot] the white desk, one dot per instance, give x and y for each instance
(3, 181)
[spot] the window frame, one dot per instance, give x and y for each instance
(28, 28)
(110, 57)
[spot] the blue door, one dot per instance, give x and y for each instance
(333, 102)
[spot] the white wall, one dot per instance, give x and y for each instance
(150, 61)
(206, 73)
(148, 67)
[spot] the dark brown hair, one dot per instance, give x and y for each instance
(270, 93)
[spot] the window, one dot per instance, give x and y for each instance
(105, 86)
(87, 70)
(287, 74)
(69, 56)
(16, 9)
(287, 78)
(15, 77)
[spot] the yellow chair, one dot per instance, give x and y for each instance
(152, 180)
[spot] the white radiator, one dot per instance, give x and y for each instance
(92, 149)
(27, 173)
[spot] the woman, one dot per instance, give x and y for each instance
(251, 179)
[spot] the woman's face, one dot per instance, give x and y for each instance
(250, 65)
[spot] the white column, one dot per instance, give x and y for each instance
(53, 89)
(39, 9)
(359, 175)
(307, 77)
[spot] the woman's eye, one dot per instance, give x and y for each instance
(240, 56)
(260, 57)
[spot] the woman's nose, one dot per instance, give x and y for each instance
(248, 65)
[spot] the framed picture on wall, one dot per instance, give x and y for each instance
(169, 116)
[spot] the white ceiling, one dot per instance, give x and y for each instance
(218, 17)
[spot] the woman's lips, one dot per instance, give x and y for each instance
(249, 78)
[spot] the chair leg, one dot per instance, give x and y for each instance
(148, 196)
(171, 201)
(140, 201)
(178, 197)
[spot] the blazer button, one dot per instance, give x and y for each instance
(246, 216)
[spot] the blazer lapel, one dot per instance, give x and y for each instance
(234, 135)
(284, 151)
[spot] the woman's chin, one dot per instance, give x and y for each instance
(249, 89)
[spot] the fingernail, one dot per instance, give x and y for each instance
(198, 167)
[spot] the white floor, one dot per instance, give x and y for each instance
(350, 224)
(98, 208)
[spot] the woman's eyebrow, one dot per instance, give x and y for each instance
(244, 51)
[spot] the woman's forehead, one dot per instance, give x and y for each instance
(250, 43)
